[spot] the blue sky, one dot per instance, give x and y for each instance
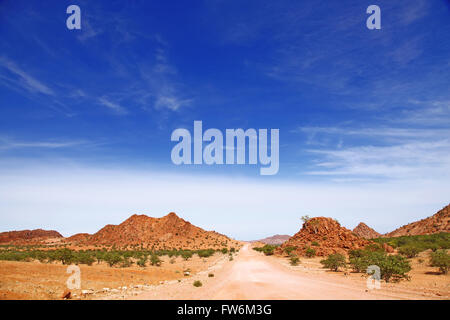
(86, 115)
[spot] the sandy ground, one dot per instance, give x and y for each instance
(35, 280)
(251, 275)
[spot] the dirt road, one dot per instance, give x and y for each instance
(254, 276)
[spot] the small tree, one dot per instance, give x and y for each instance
(440, 259)
(294, 260)
(334, 261)
(305, 218)
(289, 249)
(310, 252)
(154, 260)
(394, 267)
(409, 251)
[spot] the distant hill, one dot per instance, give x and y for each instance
(167, 232)
(274, 240)
(364, 231)
(439, 222)
(25, 236)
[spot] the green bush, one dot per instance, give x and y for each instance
(422, 242)
(440, 259)
(142, 261)
(112, 258)
(315, 243)
(409, 251)
(205, 253)
(391, 267)
(155, 261)
(310, 252)
(186, 254)
(394, 267)
(334, 261)
(294, 260)
(197, 283)
(267, 249)
(289, 249)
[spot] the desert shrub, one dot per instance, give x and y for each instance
(315, 243)
(310, 252)
(289, 249)
(65, 255)
(294, 260)
(126, 263)
(440, 259)
(267, 249)
(374, 247)
(142, 261)
(305, 218)
(232, 249)
(210, 275)
(85, 258)
(391, 267)
(186, 254)
(409, 251)
(197, 283)
(154, 260)
(205, 253)
(394, 267)
(112, 258)
(334, 261)
(422, 242)
(224, 250)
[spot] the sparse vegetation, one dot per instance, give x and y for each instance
(305, 218)
(334, 261)
(113, 257)
(440, 259)
(268, 249)
(310, 252)
(421, 242)
(409, 251)
(294, 260)
(391, 266)
(197, 283)
(289, 249)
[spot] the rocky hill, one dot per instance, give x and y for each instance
(26, 236)
(276, 239)
(167, 232)
(325, 236)
(364, 231)
(439, 222)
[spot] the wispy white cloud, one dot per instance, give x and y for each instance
(117, 108)
(379, 152)
(21, 79)
(7, 143)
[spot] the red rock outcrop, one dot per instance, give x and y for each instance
(364, 231)
(439, 222)
(325, 236)
(167, 232)
(26, 236)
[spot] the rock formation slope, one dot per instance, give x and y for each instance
(439, 222)
(364, 231)
(25, 236)
(325, 236)
(167, 232)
